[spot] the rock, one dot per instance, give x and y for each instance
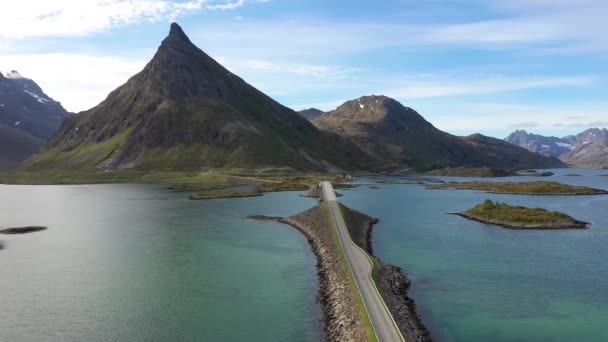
(22, 230)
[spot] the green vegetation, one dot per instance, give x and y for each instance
(541, 174)
(283, 186)
(367, 324)
(92, 175)
(211, 179)
(224, 194)
(473, 172)
(518, 217)
(523, 188)
(85, 154)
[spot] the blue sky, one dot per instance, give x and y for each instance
(488, 66)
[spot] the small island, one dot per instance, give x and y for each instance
(534, 173)
(22, 230)
(523, 188)
(204, 195)
(517, 217)
(473, 172)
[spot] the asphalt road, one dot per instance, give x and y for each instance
(361, 267)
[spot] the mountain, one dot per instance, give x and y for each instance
(28, 117)
(16, 145)
(588, 148)
(398, 136)
(311, 113)
(185, 111)
(549, 146)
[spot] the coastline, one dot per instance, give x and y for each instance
(576, 224)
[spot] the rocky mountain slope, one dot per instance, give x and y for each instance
(588, 148)
(549, 146)
(185, 111)
(398, 136)
(311, 113)
(28, 117)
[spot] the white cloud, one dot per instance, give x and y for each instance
(467, 118)
(420, 87)
(316, 71)
(79, 82)
(71, 18)
(227, 5)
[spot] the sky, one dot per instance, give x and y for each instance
(467, 66)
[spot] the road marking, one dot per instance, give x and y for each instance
(351, 271)
(373, 282)
(332, 197)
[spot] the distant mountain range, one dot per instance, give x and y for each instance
(311, 113)
(184, 111)
(28, 117)
(589, 148)
(397, 136)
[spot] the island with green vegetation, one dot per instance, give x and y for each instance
(518, 217)
(473, 172)
(534, 173)
(203, 195)
(523, 188)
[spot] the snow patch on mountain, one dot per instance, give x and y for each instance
(37, 97)
(15, 75)
(566, 145)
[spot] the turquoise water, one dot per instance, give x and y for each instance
(474, 282)
(139, 263)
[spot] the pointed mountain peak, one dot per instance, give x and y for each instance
(176, 30)
(176, 37)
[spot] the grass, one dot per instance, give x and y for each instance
(224, 194)
(204, 180)
(91, 175)
(520, 217)
(86, 154)
(524, 188)
(367, 324)
(473, 172)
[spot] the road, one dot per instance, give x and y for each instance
(361, 266)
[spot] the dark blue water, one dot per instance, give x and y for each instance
(476, 282)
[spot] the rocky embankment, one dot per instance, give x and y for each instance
(390, 279)
(342, 319)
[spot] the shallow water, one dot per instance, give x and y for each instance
(139, 263)
(476, 282)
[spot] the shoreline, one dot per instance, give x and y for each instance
(577, 225)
